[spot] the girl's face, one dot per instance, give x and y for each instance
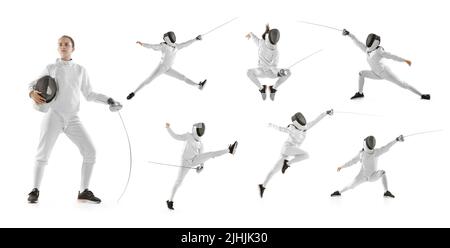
(65, 48)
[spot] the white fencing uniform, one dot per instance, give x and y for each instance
(369, 162)
(62, 118)
(378, 70)
(267, 65)
(169, 52)
(192, 156)
(297, 135)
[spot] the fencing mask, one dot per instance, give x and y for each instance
(199, 129)
(299, 118)
(170, 36)
(370, 142)
(48, 89)
(274, 36)
(373, 41)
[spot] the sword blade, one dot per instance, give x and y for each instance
(304, 58)
(424, 132)
(219, 26)
(320, 25)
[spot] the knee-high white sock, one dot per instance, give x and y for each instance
(86, 172)
(385, 183)
(174, 190)
(414, 90)
(38, 175)
(276, 169)
(361, 84)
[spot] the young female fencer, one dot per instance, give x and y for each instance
(268, 61)
(169, 50)
(193, 155)
(369, 172)
(379, 71)
(297, 134)
(61, 117)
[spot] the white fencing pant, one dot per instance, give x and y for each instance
(52, 125)
(197, 160)
(161, 69)
(372, 178)
(256, 73)
(387, 75)
(287, 151)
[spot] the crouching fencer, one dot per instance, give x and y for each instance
(57, 92)
(268, 61)
(193, 155)
(169, 49)
(379, 71)
(297, 133)
(369, 172)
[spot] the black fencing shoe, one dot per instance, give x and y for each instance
(131, 95)
(202, 84)
(261, 190)
(170, 205)
(263, 92)
(88, 196)
(425, 97)
(336, 193)
(232, 148)
(272, 93)
(285, 166)
(388, 194)
(357, 95)
(33, 196)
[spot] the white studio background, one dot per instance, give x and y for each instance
(225, 194)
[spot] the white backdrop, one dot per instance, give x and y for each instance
(225, 194)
